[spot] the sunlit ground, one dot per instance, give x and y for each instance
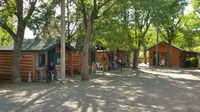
(148, 89)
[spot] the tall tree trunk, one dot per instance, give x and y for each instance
(16, 75)
(145, 54)
(136, 58)
(85, 69)
(19, 36)
(62, 64)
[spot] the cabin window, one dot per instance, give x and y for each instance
(41, 59)
(57, 58)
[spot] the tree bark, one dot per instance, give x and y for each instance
(85, 69)
(136, 58)
(16, 75)
(145, 54)
(19, 35)
(62, 43)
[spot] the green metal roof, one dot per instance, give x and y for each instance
(37, 45)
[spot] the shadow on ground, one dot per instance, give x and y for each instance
(115, 91)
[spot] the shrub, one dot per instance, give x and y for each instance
(194, 62)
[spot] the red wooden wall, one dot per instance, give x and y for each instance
(26, 65)
(162, 49)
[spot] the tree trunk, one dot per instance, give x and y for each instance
(145, 54)
(62, 43)
(16, 75)
(85, 69)
(135, 58)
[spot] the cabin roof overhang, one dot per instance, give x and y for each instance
(37, 45)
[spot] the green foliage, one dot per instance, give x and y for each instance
(44, 22)
(194, 62)
(196, 6)
(169, 17)
(188, 36)
(5, 37)
(7, 17)
(197, 48)
(112, 34)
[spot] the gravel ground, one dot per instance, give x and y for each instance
(145, 90)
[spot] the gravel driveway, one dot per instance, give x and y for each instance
(147, 90)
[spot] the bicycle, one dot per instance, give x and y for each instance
(42, 76)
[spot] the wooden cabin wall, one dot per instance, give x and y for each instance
(99, 56)
(26, 65)
(73, 61)
(123, 55)
(67, 60)
(77, 61)
(162, 49)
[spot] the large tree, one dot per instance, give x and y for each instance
(166, 20)
(91, 11)
(188, 35)
(14, 17)
(138, 20)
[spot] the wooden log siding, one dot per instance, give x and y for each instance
(99, 56)
(77, 61)
(26, 65)
(67, 60)
(163, 49)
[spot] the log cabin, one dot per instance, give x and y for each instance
(37, 53)
(111, 56)
(179, 57)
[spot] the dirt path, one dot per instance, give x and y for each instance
(150, 90)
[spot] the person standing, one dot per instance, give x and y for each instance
(51, 73)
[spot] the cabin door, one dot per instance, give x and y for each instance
(51, 57)
(167, 58)
(92, 56)
(154, 58)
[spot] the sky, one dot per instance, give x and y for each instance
(28, 34)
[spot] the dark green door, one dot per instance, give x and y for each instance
(51, 57)
(154, 58)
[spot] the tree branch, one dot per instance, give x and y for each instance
(108, 8)
(9, 30)
(94, 11)
(83, 9)
(30, 11)
(19, 7)
(103, 4)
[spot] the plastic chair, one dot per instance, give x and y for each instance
(99, 68)
(162, 62)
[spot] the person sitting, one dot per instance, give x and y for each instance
(120, 64)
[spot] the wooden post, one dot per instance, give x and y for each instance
(80, 55)
(34, 66)
(157, 48)
(62, 64)
(46, 58)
